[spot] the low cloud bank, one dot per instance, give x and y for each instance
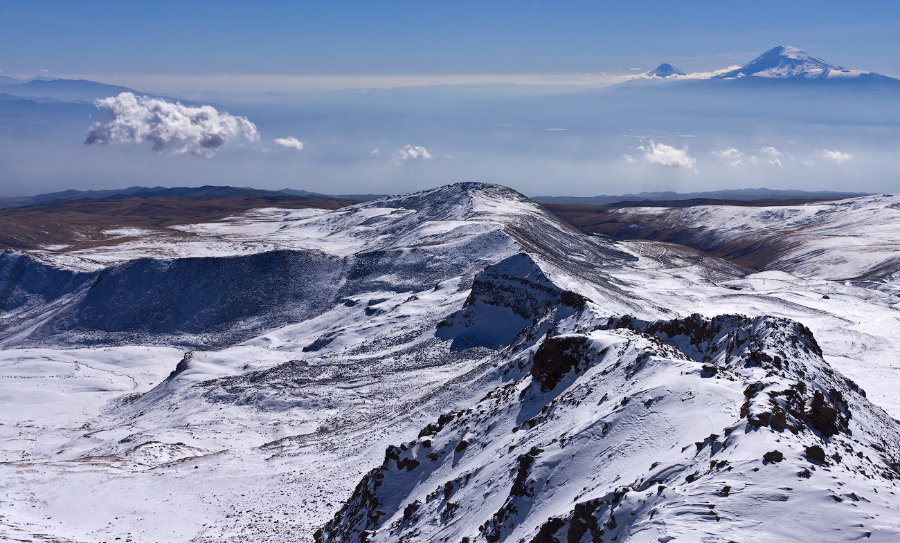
(170, 127)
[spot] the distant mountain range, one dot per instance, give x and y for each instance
(206, 191)
(66, 90)
(744, 195)
(211, 191)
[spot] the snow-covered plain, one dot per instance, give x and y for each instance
(384, 315)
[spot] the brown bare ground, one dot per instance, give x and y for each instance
(754, 253)
(80, 224)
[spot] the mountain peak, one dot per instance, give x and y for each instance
(786, 50)
(665, 70)
(787, 62)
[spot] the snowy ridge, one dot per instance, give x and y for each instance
(453, 213)
(316, 340)
(855, 238)
(260, 274)
(614, 434)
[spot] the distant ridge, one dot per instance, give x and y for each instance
(206, 191)
(213, 191)
(734, 194)
(67, 90)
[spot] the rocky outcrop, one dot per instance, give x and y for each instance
(506, 299)
(624, 429)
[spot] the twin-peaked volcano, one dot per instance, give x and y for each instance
(783, 62)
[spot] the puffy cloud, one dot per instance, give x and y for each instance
(412, 152)
(671, 157)
(289, 142)
(734, 157)
(171, 128)
(772, 154)
(833, 155)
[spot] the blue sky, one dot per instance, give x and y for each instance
(371, 95)
(502, 37)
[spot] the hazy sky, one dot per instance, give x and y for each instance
(379, 97)
(201, 37)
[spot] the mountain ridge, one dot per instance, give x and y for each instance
(451, 363)
(210, 191)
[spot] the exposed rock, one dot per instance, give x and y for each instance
(773, 456)
(556, 357)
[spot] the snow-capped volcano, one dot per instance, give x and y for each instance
(786, 62)
(665, 70)
(781, 62)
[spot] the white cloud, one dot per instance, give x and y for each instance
(289, 142)
(671, 157)
(692, 75)
(732, 156)
(833, 155)
(412, 152)
(171, 128)
(772, 154)
(710, 75)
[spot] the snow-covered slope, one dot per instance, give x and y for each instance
(235, 279)
(319, 339)
(786, 62)
(730, 428)
(848, 239)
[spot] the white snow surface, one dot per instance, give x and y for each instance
(265, 437)
(857, 238)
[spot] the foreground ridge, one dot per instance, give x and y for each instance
(645, 430)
